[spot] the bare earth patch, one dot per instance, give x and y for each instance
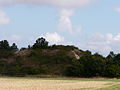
(41, 84)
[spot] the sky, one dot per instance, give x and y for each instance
(88, 24)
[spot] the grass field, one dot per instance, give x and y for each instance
(58, 84)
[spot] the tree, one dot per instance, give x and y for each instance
(40, 43)
(92, 65)
(116, 60)
(72, 71)
(88, 52)
(112, 71)
(111, 55)
(4, 45)
(29, 47)
(14, 47)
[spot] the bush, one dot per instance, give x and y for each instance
(32, 70)
(112, 71)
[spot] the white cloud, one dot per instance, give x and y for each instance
(117, 10)
(117, 37)
(78, 29)
(14, 38)
(4, 19)
(61, 3)
(11, 38)
(65, 14)
(103, 43)
(54, 38)
(65, 22)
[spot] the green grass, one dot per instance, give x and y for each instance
(113, 87)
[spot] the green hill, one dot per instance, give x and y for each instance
(60, 60)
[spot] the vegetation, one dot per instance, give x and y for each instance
(42, 59)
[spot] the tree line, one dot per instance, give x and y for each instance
(42, 58)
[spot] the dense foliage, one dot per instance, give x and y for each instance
(42, 59)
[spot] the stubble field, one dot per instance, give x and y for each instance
(58, 84)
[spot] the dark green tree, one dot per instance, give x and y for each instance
(116, 60)
(14, 47)
(40, 43)
(111, 55)
(4, 45)
(112, 71)
(92, 65)
(29, 47)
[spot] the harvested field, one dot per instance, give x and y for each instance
(57, 84)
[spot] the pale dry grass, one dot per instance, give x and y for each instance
(42, 84)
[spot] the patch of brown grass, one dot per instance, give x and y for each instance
(41, 84)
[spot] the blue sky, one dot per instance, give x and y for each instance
(88, 24)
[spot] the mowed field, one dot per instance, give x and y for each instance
(58, 84)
